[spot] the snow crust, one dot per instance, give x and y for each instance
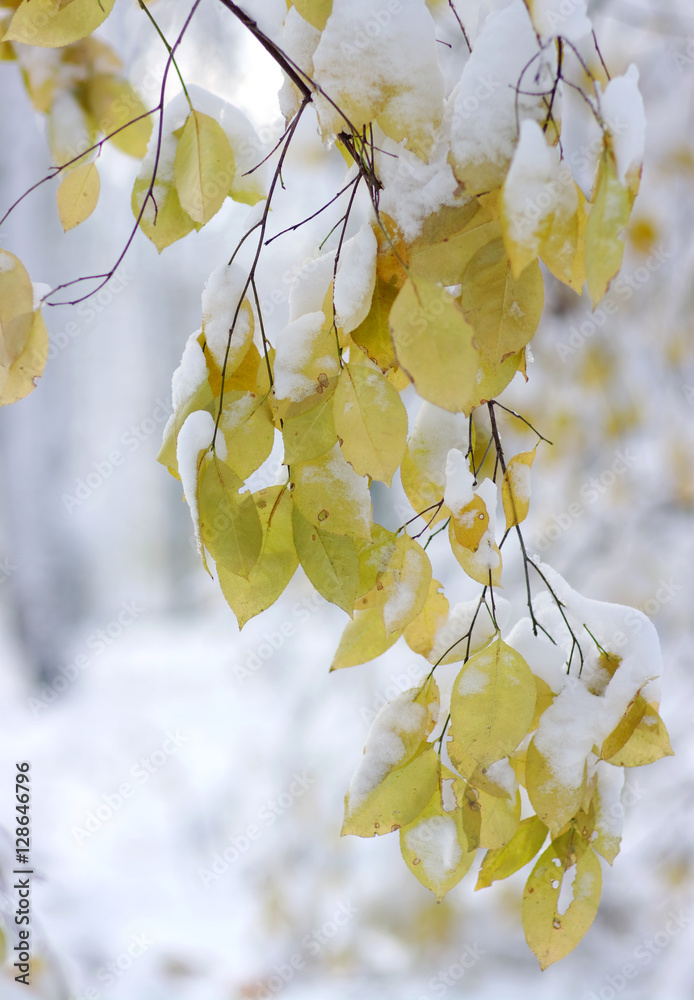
(190, 374)
(194, 436)
(385, 747)
(435, 843)
(220, 300)
(355, 279)
(460, 481)
(295, 346)
(562, 17)
(436, 432)
(622, 107)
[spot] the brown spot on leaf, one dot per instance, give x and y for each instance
(556, 924)
(323, 379)
(323, 515)
(415, 861)
(394, 827)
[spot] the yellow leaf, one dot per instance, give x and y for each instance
(554, 802)
(310, 433)
(113, 103)
(316, 12)
(163, 220)
(489, 820)
(373, 334)
(46, 23)
(484, 565)
(421, 632)
(492, 704)
(550, 934)
(249, 432)
(434, 848)
(608, 219)
(503, 311)
(515, 488)
(501, 862)
(401, 794)
(78, 195)
(363, 639)
(564, 247)
(19, 379)
(276, 563)
(545, 697)
(329, 561)
(491, 379)
(433, 343)
(470, 525)
(204, 167)
(370, 421)
(229, 524)
(449, 240)
(16, 308)
(329, 492)
(648, 741)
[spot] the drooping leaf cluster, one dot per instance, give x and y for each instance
(526, 737)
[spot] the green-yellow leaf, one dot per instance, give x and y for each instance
(374, 557)
(19, 379)
(203, 167)
(550, 934)
(316, 12)
(553, 801)
(78, 195)
(163, 220)
(515, 488)
(364, 638)
(16, 308)
(401, 795)
(277, 561)
(484, 565)
(370, 421)
(329, 492)
(648, 741)
(248, 430)
(229, 524)
(503, 311)
(310, 433)
(421, 632)
(492, 703)
(53, 25)
(609, 216)
(449, 240)
(501, 862)
(433, 343)
(329, 561)
(489, 820)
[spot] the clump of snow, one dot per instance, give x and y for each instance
(39, 288)
(435, 843)
(296, 346)
(190, 374)
(561, 17)
(520, 481)
(298, 40)
(7, 262)
(623, 111)
(380, 63)
(472, 680)
(310, 286)
(395, 733)
(579, 719)
(546, 660)
(355, 279)
(609, 818)
(536, 185)
(436, 432)
(458, 624)
(487, 557)
(400, 605)
(459, 482)
(481, 111)
(221, 312)
(69, 131)
(503, 775)
(194, 436)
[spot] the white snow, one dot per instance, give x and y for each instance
(458, 624)
(399, 607)
(355, 279)
(434, 841)
(487, 557)
(481, 111)
(459, 482)
(7, 262)
(298, 39)
(295, 348)
(436, 432)
(220, 302)
(380, 63)
(341, 480)
(537, 184)
(310, 286)
(39, 289)
(190, 374)
(623, 111)
(472, 680)
(194, 436)
(385, 747)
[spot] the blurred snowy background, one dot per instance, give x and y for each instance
(187, 780)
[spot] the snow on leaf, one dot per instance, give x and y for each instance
(434, 848)
(329, 492)
(515, 488)
(609, 215)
